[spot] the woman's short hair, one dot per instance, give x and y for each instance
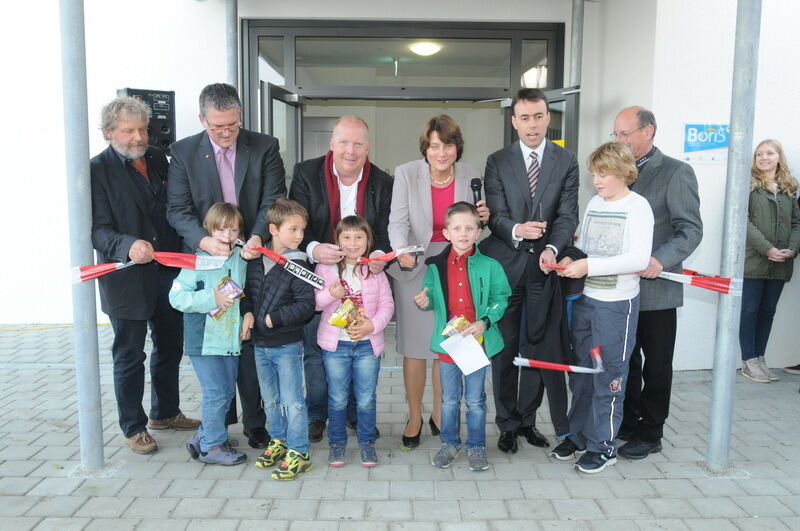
(448, 131)
(614, 158)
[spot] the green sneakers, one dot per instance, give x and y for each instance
(292, 466)
(275, 451)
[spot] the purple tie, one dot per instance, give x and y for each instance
(226, 180)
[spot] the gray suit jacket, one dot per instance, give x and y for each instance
(509, 200)
(670, 187)
(193, 184)
(411, 216)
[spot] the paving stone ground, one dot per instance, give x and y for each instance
(43, 487)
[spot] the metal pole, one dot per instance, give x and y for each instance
(745, 65)
(576, 44)
(232, 40)
(76, 140)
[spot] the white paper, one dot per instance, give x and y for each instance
(466, 352)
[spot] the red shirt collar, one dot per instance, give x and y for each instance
(454, 258)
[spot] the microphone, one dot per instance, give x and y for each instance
(475, 184)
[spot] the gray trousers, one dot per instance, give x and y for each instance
(597, 399)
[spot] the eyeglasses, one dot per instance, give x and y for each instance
(224, 128)
(624, 135)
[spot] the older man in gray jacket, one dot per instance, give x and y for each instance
(670, 187)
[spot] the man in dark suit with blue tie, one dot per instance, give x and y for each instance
(241, 167)
(532, 194)
(129, 223)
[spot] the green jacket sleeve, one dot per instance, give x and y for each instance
(185, 297)
(499, 292)
(429, 282)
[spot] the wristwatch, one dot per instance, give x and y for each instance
(486, 322)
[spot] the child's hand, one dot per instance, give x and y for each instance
(476, 329)
(337, 290)
(248, 321)
(564, 262)
(268, 321)
(576, 269)
(421, 298)
(360, 329)
(376, 266)
(223, 300)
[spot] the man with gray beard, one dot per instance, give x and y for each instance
(129, 222)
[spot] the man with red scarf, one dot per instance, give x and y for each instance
(342, 183)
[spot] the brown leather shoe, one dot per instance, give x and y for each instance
(142, 443)
(178, 422)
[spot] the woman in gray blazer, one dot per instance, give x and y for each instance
(423, 189)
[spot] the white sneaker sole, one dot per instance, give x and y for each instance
(574, 455)
(610, 462)
(754, 378)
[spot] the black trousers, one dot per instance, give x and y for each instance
(517, 393)
(253, 415)
(127, 352)
(649, 386)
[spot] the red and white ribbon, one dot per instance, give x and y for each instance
(182, 260)
(387, 257)
(724, 285)
(550, 366)
(290, 267)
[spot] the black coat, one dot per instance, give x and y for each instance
(288, 300)
(194, 183)
(308, 189)
(548, 328)
(509, 200)
(120, 216)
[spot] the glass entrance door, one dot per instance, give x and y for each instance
(282, 117)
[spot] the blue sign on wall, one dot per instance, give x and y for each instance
(700, 137)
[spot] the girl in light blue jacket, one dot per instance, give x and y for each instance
(213, 335)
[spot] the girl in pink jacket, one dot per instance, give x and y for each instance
(352, 355)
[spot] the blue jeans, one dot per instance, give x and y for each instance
(351, 366)
(280, 377)
(217, 376)
(454, 384)
(759, 300)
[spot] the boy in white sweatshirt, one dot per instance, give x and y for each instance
(616, 234)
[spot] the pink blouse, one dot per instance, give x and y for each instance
(441, 198)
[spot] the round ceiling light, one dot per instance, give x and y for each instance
(425, 48)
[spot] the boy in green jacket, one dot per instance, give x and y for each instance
(463, 282)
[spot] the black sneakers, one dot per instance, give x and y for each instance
(566, 450)
(638, 449)
(594, 462)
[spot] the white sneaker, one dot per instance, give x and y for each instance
(751, 370)
(771, 375)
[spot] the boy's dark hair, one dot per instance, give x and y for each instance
(462, 207)
(614, 158)
(529, 94)
(222, 215)
(354, 223)
(282, 209)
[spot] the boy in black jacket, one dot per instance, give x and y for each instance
(277, 305)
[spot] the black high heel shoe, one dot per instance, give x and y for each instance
(409, 443)
(434, 428)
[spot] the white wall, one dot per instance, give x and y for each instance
(147, 44)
